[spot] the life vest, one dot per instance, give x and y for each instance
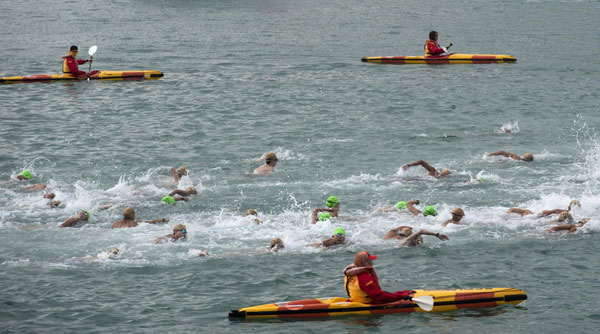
(66, 68)
(426, 47)
(354, 292)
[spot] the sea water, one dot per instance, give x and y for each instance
(247, 77)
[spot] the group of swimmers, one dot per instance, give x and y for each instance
(404, 234)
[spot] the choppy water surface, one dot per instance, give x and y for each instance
(246, 77)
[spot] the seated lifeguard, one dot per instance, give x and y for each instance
(432, 48)
(362, 284)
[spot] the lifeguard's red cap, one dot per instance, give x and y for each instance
(371, 257)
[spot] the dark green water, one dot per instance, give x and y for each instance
(246, 77)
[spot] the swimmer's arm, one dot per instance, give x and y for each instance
(161, 239)
(546, 213)
(574, 202)
(411, 208)
(506, 154)
(408, 240)
(566, 227)
(179, 192)
(68, 222)
(154, 221)
(387, 208)
(444, 224)
(181, 198)
(315, 214)
(393, 234)
(519, 211)
(330, 242)
(174, 173)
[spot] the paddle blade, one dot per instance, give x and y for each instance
(424, 302)
(93, 50)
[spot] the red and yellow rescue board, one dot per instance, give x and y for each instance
(453, 58)
(444, 301)
(100, 75)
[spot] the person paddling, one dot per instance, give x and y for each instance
(70, 63)
(431, 171)
(362, 285)
(408, 238)
(333, 207)
(432, 48)
(527, 157)
(82, 217)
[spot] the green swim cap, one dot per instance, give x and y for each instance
(339, 230)
(332, 201)
(168, 199)
(429, 211)
(88, 214)
(480, 178)
(401, 205)
(26, 174)
(324, 216)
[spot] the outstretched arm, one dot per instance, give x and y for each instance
(412, 237)
(506, 154)
(546, 213)
(566, 227)
(519, 211)
(411, 208)
(154, 221)
(430, 169)
(574, 202)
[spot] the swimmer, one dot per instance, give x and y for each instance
(276, 245)
(546, 213)
(179, 233)
(82, 217)
(129, 219)
(408, 238)
(527, 157)
(179, 173)
(519, 211)
(252, 212)
(269, 166)
(457, 215)
(184, 193)
(431, 171)
(34, 187)
(333, 207)
(171, 199)
(51, 203)
(428, 211)
(400, 206)
(25, 175)
(563, 217)
(113, 253)
(105, 206)
(338, 238)
(568, 227)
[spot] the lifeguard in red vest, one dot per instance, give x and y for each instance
(70, 63)
(432, 48)
(362, 284)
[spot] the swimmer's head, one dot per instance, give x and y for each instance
(401, 205)
(444, 172)
(324, 216)
(332, 201)
(270, 157)
(168, 199)
(429, 211)
(88, 216)
(565, 216)
(181, 171)
(251, 212)
(49, 196)
(277, 243)
(528, 156)
(113, 251)
(180, 228)
(339, 232)
(26, 174)
(128, 213)
(405, 231)
(458, 212)
(191, 190)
